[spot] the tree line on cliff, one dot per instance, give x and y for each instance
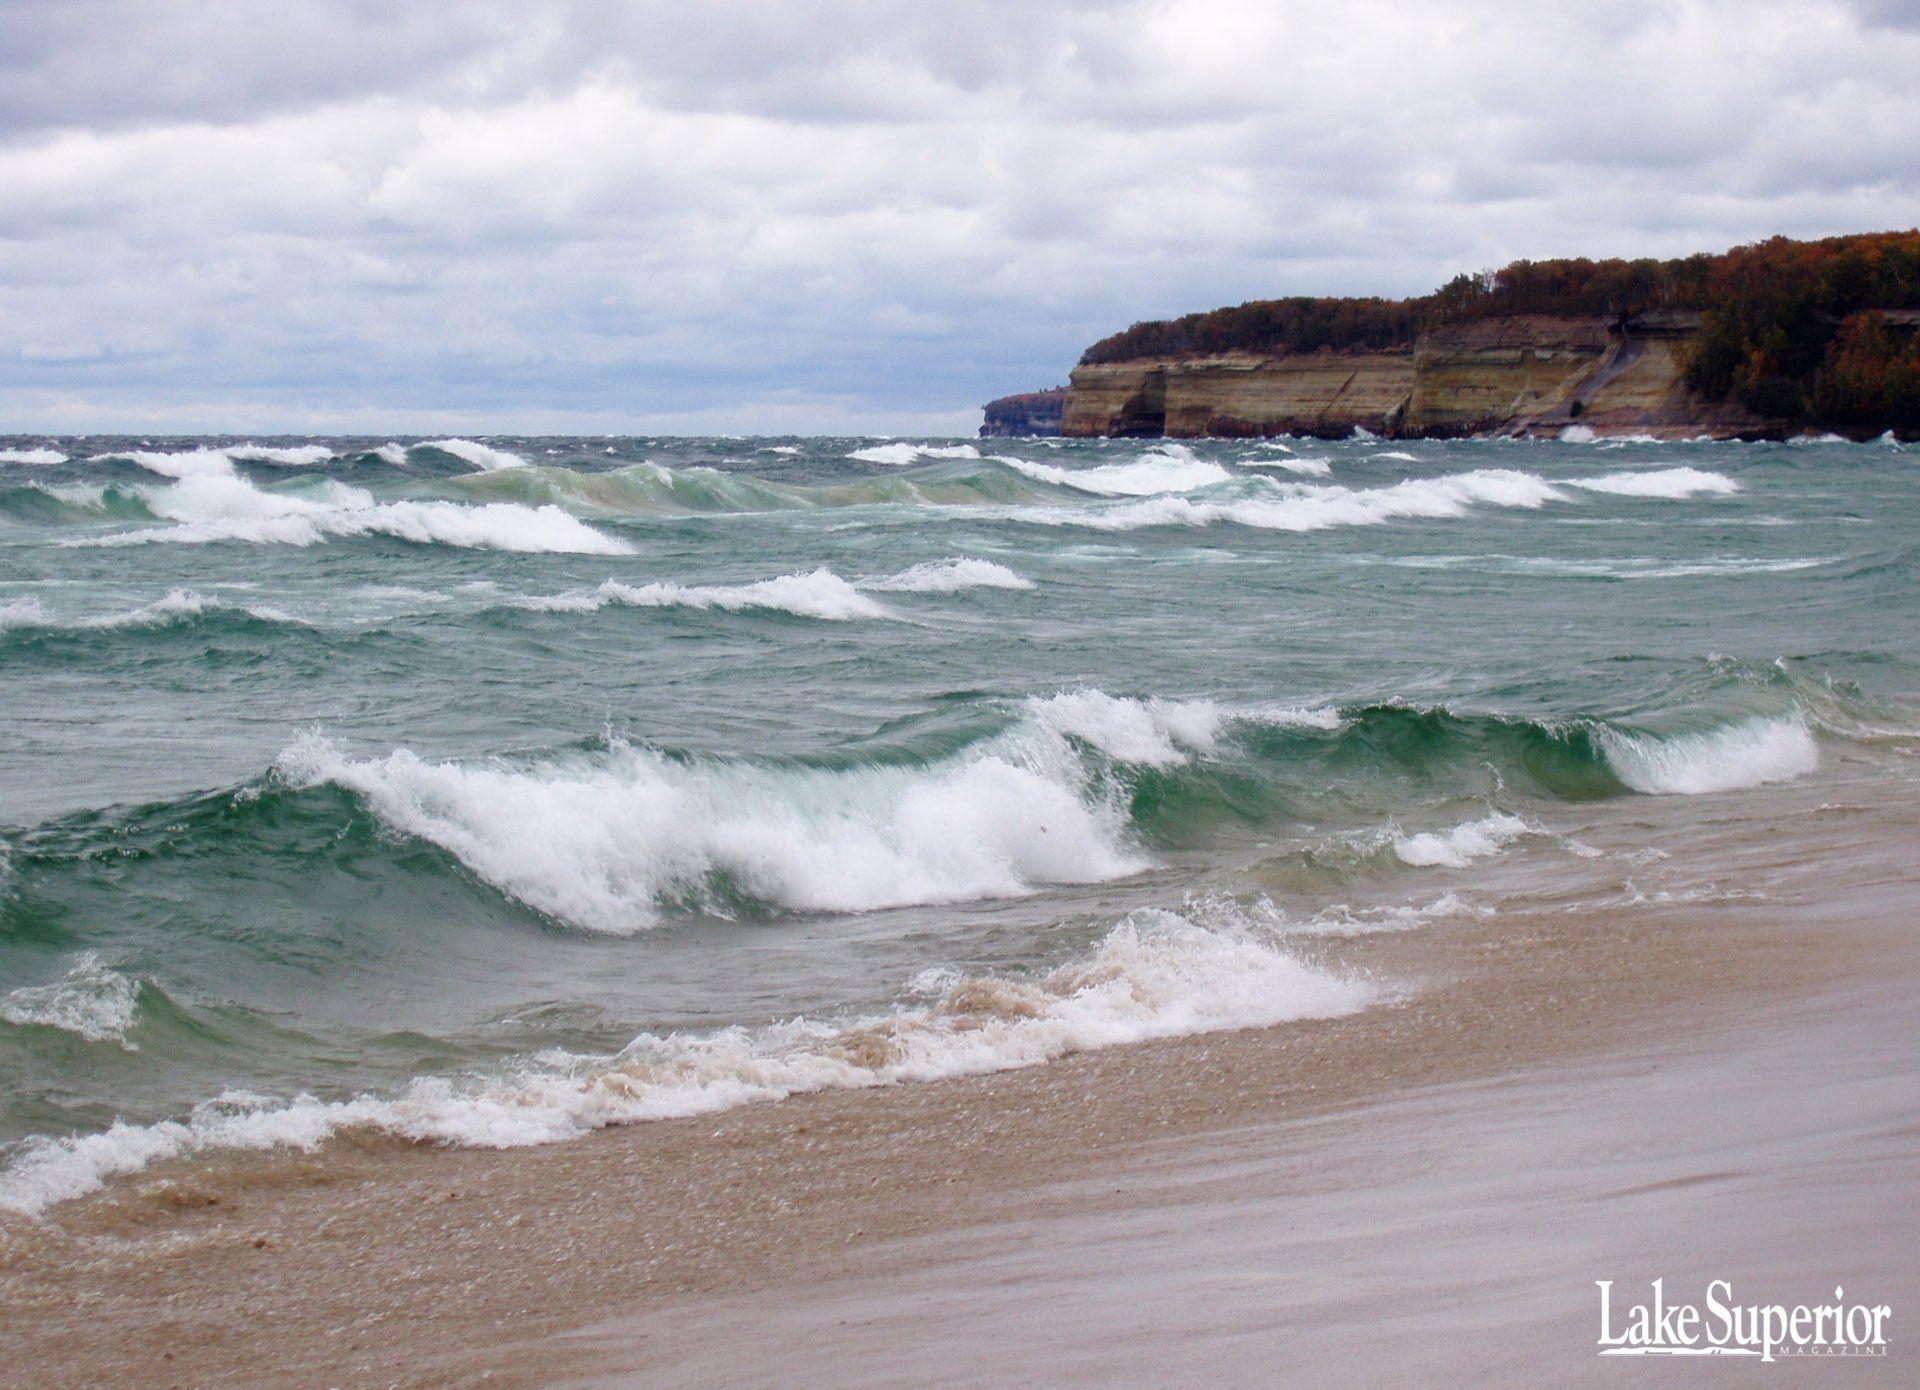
(1792, 330)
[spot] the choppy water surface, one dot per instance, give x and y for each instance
(489, 792)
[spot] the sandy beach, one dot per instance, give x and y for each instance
(1678, 1092)
(823, 696)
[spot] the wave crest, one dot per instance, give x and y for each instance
(602, 843)
(1156, 974)
(215, 504)
(1747, 754)
(90, 1001)
(819, 594)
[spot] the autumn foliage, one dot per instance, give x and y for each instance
(1786, 326)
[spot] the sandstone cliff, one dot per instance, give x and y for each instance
(1029, 413)
(1514, 374)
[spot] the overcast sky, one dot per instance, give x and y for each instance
(833, 216)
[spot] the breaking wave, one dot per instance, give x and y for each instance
(90, 1001)
(1659, 482)
(212, 503)
(485, 457)
(1306, 507)
(1156, 974)
(949, 577)
(1306, 467)
(819, 594)
(816, 594)
(33, 456)
(176, 606)
(1462, 845)
(1155, 732)
(1172, 468)
(900, 454)
(1748, 754)
(603, 842)
(297, 456)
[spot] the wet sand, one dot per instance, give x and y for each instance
(1449, 1236)
(1425, 1191)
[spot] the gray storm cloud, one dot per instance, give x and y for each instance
(844, 216)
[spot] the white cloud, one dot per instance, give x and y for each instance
(846, 215)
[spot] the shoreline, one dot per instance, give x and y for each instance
(373, 1260)
(1448, 1234)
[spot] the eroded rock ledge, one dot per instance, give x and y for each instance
(1516, 375)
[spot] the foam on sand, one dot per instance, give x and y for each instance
(1156, 974)
(1748, 754)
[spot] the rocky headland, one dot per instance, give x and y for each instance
(1762, 342)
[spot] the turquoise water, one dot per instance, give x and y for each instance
(487, 793)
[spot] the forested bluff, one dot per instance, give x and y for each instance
(1777, 338)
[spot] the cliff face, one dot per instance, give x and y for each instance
(1028, 414)
(1519, 374)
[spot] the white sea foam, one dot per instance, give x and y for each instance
(1156, 974)
(1659, 482)
(394, 454)
(1157, 732)
(1170, 468)
(949, 577)
(1305, 507)
(818, 594)
(1585, 434)
(90, 1001)
(297, 456)
(1748, 754)
(601, 842)
(37, 456)
(182, 463)
(1303, 465)
(900, 454)
(22, 612)
(482, 456)
(1336, 919)
(215, 504)
(1463, 844)
(175, 605)
(1152, 733)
